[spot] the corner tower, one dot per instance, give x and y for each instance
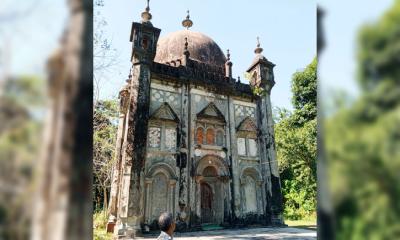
(261, 81)
(133, 135)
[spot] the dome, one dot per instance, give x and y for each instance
(201, 47)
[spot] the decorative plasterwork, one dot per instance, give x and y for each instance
(165, 112)
(211, 112)
(247, 125)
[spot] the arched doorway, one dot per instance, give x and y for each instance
(212, 190)
(207, 196)
(160, 181)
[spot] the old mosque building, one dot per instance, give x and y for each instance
(192, 140)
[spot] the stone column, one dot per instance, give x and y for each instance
(260, 197)
(198, 197)
(172, 183)
(148, 185)
(235, 160)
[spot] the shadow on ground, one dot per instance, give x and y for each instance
(302, 232)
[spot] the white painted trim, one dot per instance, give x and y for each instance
(206, 94)
(247, 104)
(164, 87)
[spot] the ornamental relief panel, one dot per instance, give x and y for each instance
(241, 112)
(160, 96)
(202, 101)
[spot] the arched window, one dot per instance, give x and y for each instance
(220, 138)
(252, 147)
(241, 146)
(210, 137)
(199, 135)
(250, 194)
(170, 139)
(160, 195)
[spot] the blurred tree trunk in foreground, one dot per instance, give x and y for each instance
(62, 207)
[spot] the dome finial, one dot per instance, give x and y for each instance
(146, 15)
(187, 23)
(258, 49)
(148, 6)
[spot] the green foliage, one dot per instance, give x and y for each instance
(304, 88)
(99, 226)
(296, 143)
(21, 100)
(26, 90)
(363, 140)
(296, 151)
(105, 118)
(379, 50)
(366, 205)
(257, 90)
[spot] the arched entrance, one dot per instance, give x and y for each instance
(212, 190)
(160, 181)
(207, 196)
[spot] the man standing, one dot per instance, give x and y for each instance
(167, 226)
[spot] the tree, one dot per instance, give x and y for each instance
(362, 140)
(378, 50)
(296, 142)
(62, 208)
(20, 128)
(105, 118)
(304, 89)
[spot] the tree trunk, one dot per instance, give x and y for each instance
(63, 205)
(105, 200)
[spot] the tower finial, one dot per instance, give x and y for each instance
(187, 23)
(258, 49)
(146, 15)
(228, 55)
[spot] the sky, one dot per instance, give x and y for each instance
(30, 31)
(287, 31)
(342, 21)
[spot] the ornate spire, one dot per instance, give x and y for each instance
(258, 50)
(228, 65)
(186, 44)
(186, 53)
(187, 23)
(146, 15)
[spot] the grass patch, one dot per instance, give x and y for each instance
(99, 226)
(310, 223)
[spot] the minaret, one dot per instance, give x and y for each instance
(262, 77)
(130, 204)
